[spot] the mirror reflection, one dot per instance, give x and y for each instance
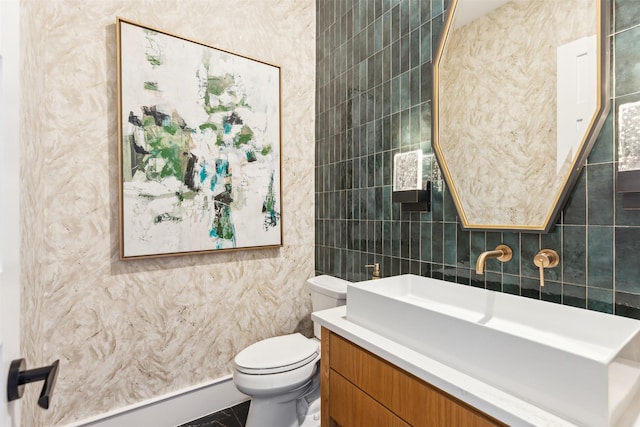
(518, 101)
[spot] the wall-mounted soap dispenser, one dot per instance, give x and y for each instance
(375, 274)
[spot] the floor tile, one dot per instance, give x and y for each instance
(230, 417)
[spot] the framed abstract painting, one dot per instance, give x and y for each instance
(199, 147)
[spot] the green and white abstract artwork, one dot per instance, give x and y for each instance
(199, 136)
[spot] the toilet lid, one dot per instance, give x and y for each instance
(277, 354)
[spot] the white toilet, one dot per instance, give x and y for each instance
(282, 374)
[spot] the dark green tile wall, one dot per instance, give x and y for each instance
(373, 96)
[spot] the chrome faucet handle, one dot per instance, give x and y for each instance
(546, 258)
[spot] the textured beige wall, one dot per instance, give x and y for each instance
(129, 331)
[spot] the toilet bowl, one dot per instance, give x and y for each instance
(282, 374)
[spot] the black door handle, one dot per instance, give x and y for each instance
(19, 376)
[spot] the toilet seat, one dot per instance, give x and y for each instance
(276, 355)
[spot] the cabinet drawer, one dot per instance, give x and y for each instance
(413, 400)
(351, 407)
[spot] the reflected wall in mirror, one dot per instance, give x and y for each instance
(520, 94)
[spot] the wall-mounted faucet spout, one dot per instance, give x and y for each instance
(502, 252)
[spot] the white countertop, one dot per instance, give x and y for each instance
(492, 401)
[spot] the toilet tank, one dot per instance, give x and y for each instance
(326, 292)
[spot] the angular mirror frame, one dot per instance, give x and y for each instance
(602, 109)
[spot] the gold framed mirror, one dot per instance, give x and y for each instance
(520, 94)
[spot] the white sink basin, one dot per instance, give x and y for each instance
(581, 365)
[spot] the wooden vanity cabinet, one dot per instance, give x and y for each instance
(359, 389)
